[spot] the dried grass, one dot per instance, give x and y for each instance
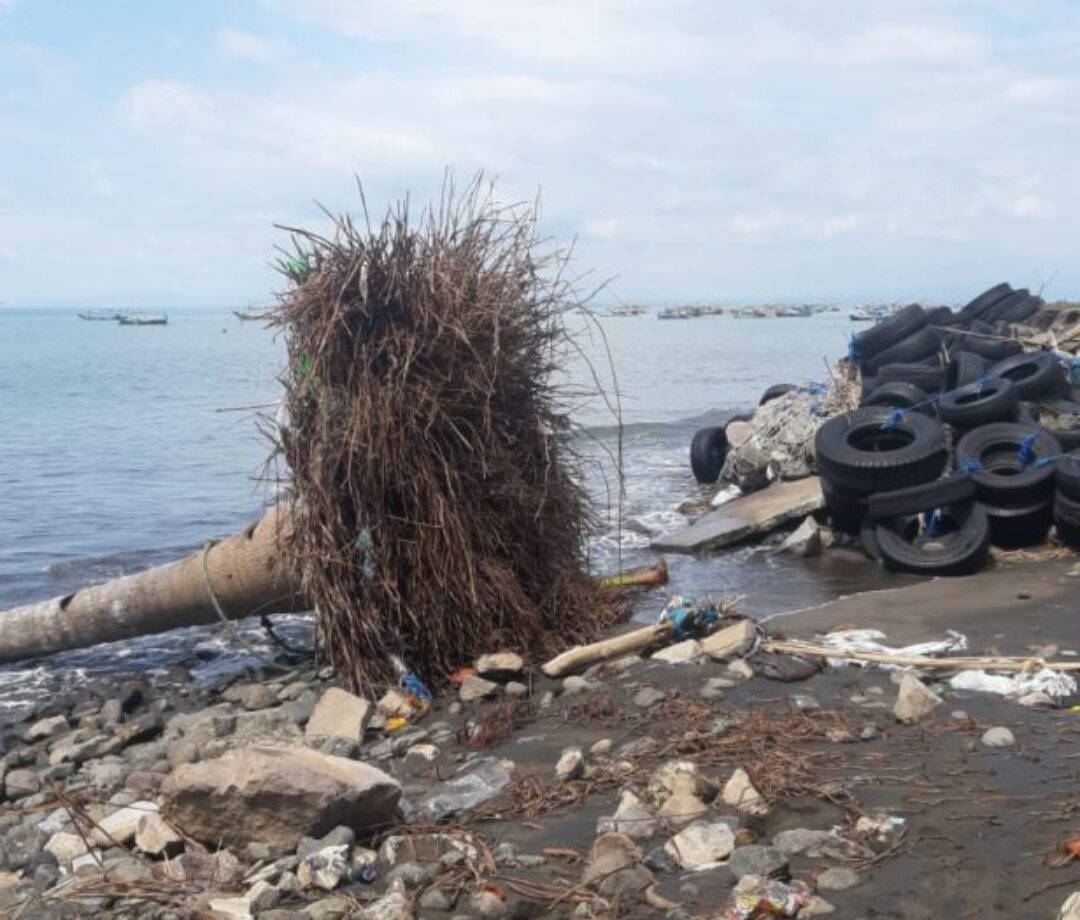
(439, 507)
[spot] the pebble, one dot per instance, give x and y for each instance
(803, 702)
(475, 688)
(998, 737)
(914, 700)
(757, 860)
(838, 878)
(601, 748)
(647, 697)
(701, 844)
(739, 792)
(740, 669)
(516, 689)
(1070, 910)
(571, 764)
(631, 818)
(575, 684)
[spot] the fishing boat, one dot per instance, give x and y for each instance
(142, 318)
(100, 315)
(247, 316)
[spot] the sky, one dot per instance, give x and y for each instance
(688, 149)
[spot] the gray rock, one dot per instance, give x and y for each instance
(757, 860)
(817, 907)
(625, 882)
(155, 837)
(339, 836)
(631, 818)
(914, 700)
(277, 795)
(571, 764)
(486, 905)
(20, 845)
(681, 809)
(339, 714)
(575, 684)
(255, 696)
(610, 853)
(805, 540)
(105, 774)
(516, 689)
(803, 702)
(838, 878)
(739, 792)
(326, 868)
(20, 783)
(500, 666)
(336, 747)
(120, 827)
(47, 728)
(475, 688)
(647, 697)
(436, 899)
(998, 737)
(112, 713)
(701, 844)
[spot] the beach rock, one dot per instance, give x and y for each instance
(155, 837)
(805, 540)
(739, 792)
(112, 713)
(436, 899)
(601, 748)
(231, 908)
(516, 690)
(681, 809)
(740, 669)
(757, 860)
(1070, 910)
(819, 844)
(277, 795)
(396, 904)
(701, 845)
(838, 878)
(20, 845)
(500, 666)
(262, 896)
(675, 777)
(485, 904)
(803, 702)
(817, 907)
(575, 684)
(571, 764)
(475, 688)
(680, 652)
(647, 697)
(1037, 700)
(222, 869)
(914, 700)
(612, 668)
(393, 704)
(626, 882)
(66, 847)
(998, 737)
(339, 714)
(484, 781)
(120, 827)
(609, 853)
(325, 869)
(44, 729)
(631, 818)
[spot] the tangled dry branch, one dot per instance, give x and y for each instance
(439, 512)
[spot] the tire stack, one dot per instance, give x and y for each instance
(1067, 500)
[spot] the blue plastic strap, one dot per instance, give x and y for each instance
(1026, 453)
(970, 466)
(933, 523)
(410, 683)
(894, 417)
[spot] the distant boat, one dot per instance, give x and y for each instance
(100, 315)
(131, 318)
(629, 310)
(246, 316)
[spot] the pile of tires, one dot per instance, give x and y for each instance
(709, 446)
(1067, 499)
(881, 474)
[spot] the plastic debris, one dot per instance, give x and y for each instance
(726, 494)
(690, 618)
(1055, 684)
(483, 782)
(873, 640)
(771, 899)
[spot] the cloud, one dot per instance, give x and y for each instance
(1029, 207)
(165, 104)
(248, 46)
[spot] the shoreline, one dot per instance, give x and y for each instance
(976, 822)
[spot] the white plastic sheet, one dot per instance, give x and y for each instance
(873, 640)
(1055, 684)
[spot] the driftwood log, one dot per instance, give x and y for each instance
(243, 573)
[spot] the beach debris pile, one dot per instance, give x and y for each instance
(942, 434)
(438, 506)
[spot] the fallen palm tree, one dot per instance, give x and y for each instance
(438, 510)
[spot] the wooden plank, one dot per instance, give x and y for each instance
(745, 517)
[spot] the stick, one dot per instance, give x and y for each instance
(581, 656)
(1013, 663)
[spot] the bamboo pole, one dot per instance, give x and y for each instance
(243, 573)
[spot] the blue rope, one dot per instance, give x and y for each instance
(970, 466)
(1026, 453)
(933, 523)
(893, 418)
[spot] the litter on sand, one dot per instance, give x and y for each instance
(1054, 684)
(873, 640)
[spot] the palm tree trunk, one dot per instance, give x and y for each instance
(244, 573)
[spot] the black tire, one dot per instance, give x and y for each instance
(1067, 520)
(991, 349)
(887, 333)
(920, 344)
(964, 367)
(959, 546)
(1067, 475)
(1061, 418)
(940, 316)
(1035, 374)
(1023, 310)
(983, 302)
(927, 377)
(1002, 477)
(708, 449)
(868, 540)
(951, 490)
(981, 403)
(868, 451)
(1020, 526)
(846, 510)
(777, 389)
(901, 396)
(996, 313)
